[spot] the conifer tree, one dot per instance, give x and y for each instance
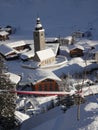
(7, 100)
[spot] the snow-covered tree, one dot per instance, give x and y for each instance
(7, 100)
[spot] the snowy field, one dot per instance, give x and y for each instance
(59, 18)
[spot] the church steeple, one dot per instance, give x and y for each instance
(39, 36)
(38, 24)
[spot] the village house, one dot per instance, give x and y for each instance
(8, 52)
(4, 35)
(76, 51)
(9, 29)
(41, 80)
(47, 84)
(13, 50)
(65, 41)
(19, 45)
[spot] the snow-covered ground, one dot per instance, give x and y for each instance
(55, 119)
(59, 18)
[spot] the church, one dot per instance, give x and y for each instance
(42, 54)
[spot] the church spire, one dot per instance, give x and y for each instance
(38, 24)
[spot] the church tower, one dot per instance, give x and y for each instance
(39, 36)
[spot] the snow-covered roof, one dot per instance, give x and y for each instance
(3, 33)
(39, 75)
(53, 46)
(27, 55)
(51, 39)
(68, 37)
(76, 46)
(45, 54)
(20, 116)
(13, 77)
(16, 44)
(5, 50)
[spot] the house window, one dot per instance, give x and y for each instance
(40, 87)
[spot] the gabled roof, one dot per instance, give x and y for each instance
(72, 47)
(13, 77)
(39, 75)
(16, 44)
(53, 46)
(45, 54)
(6, 50)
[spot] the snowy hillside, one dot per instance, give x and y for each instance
(57, 120)
(59, 17)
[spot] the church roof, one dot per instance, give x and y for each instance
(45, 54)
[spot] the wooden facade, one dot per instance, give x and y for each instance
(76, 52)
(46, 85)
(22, 47)
(12, 55)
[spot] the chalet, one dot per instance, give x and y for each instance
(76, 51)
(47, 84)
(41, 80)
(8, 52)
(45, 57)
(4, 35)
(19, 45)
